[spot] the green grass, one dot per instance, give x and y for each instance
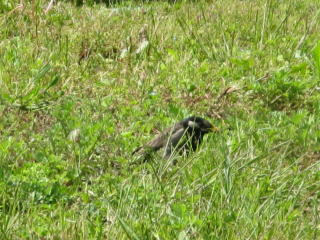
(258, 178)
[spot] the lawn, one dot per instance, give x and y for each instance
(82, 87)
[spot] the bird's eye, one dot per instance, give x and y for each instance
(193, 124)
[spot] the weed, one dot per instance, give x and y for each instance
(81, 87)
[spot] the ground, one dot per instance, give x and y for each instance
(82, 87)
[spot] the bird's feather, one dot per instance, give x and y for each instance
(185, 135)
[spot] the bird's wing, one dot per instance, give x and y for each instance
(176, 137)
(157, 142)
(160, 140)
(154, 145)
(173, 141)
(144, 151)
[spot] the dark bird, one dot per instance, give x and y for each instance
(184, 136)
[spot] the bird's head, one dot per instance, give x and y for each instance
(200, 124)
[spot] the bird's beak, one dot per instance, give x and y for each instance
(214, 129)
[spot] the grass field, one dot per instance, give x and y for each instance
(82, 87)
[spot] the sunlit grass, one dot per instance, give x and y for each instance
(79, 92)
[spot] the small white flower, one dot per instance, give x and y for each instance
(143, 45)
(74, 135)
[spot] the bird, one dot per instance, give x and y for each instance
(183, 137)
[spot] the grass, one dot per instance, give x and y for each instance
(251, 67)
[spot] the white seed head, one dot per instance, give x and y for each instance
(74, 135)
